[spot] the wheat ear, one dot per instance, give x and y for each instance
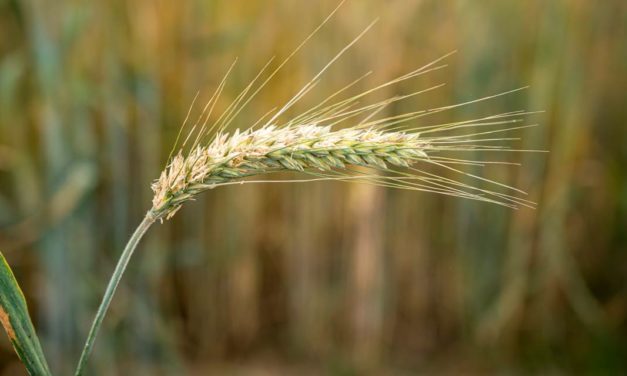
(315, 143)
(271, 149)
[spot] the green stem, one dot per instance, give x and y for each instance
(113, 284)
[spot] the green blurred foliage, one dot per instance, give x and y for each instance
(324, 277)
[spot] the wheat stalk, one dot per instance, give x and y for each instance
(330, 141)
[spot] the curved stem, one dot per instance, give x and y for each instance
(113, 284)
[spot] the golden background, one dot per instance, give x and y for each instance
(321, 278)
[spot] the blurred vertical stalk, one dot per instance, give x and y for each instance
(55, 248)
(563, 163)
(366, 207)
(304, 273)
(242, 276)
(149, 219)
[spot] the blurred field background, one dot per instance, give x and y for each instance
(322, 278)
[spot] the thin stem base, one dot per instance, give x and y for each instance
(149, 219)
